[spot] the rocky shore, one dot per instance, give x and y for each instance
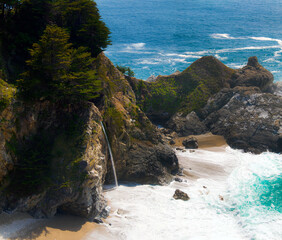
(245, 107)
(54, 157)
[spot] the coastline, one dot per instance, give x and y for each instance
(63, 227)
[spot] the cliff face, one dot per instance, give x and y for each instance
(246, 113)
(183, 92)
(140, 152)
(53, 156)
(248, 119)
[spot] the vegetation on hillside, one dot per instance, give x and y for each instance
(184, 92)
(56, 70)
(22, 23)
(125, 70)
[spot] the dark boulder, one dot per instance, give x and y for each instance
(180, 195)
(190, 143)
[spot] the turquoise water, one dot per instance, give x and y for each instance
(161, 36)
(254, 195)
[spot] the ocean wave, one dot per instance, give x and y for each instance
(155, 61)
(192, 55)
(254, 194)
(220, 58)
(136, 46)
(224, 36)
(235, 65)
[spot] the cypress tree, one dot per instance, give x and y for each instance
(58, 71)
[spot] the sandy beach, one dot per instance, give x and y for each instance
(205, 141)
(62, 227)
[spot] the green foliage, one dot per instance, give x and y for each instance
(82, 19)
(115, 120)
(7, 93)
(165, 95)
(125, 70)
(32, 170)
(57, 71)
(22, 22)
(49, 159)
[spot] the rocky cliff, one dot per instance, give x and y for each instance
(140, 152)
(53, 155)
(208, 96)
(54, 158)
(247, 114)
(182, 92)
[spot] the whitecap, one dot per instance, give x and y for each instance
(223, 36)
(136, 46)
(220, 58)
(235, 65)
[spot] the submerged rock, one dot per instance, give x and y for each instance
(180, 195)
(190, 143)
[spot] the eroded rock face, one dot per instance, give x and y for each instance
(189, 125)
(57, 159)
(250, 120)
(140, 151)
(252, 75)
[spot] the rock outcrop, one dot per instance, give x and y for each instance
(141, 154)
(244, 105)
(190, 143)
(252, 75)
(182, 92)
(55, 158)
(249, 120)
(53, 155)
(186, 125)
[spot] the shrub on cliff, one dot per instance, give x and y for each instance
(58, 71)
(125, 70)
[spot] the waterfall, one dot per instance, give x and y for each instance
(111, 154)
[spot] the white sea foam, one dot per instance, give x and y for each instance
(224, 36)
(220, 58)
(149, 212)
(136, 46)
(235, 65)
(162, 60)
(12, 228)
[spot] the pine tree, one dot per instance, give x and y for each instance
(58, 71)
(82, 19)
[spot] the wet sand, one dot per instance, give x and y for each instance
(193, 166)
(21, 226)
(64, 227)
(205, 141)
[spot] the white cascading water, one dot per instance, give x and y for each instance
(111, 154)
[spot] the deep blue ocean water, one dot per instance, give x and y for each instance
(161, 36)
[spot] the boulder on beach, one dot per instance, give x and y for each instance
(190, 143)
(181, 195)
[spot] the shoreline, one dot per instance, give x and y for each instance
(205, 141)
(69, 227)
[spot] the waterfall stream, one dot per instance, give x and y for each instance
(111, 154)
